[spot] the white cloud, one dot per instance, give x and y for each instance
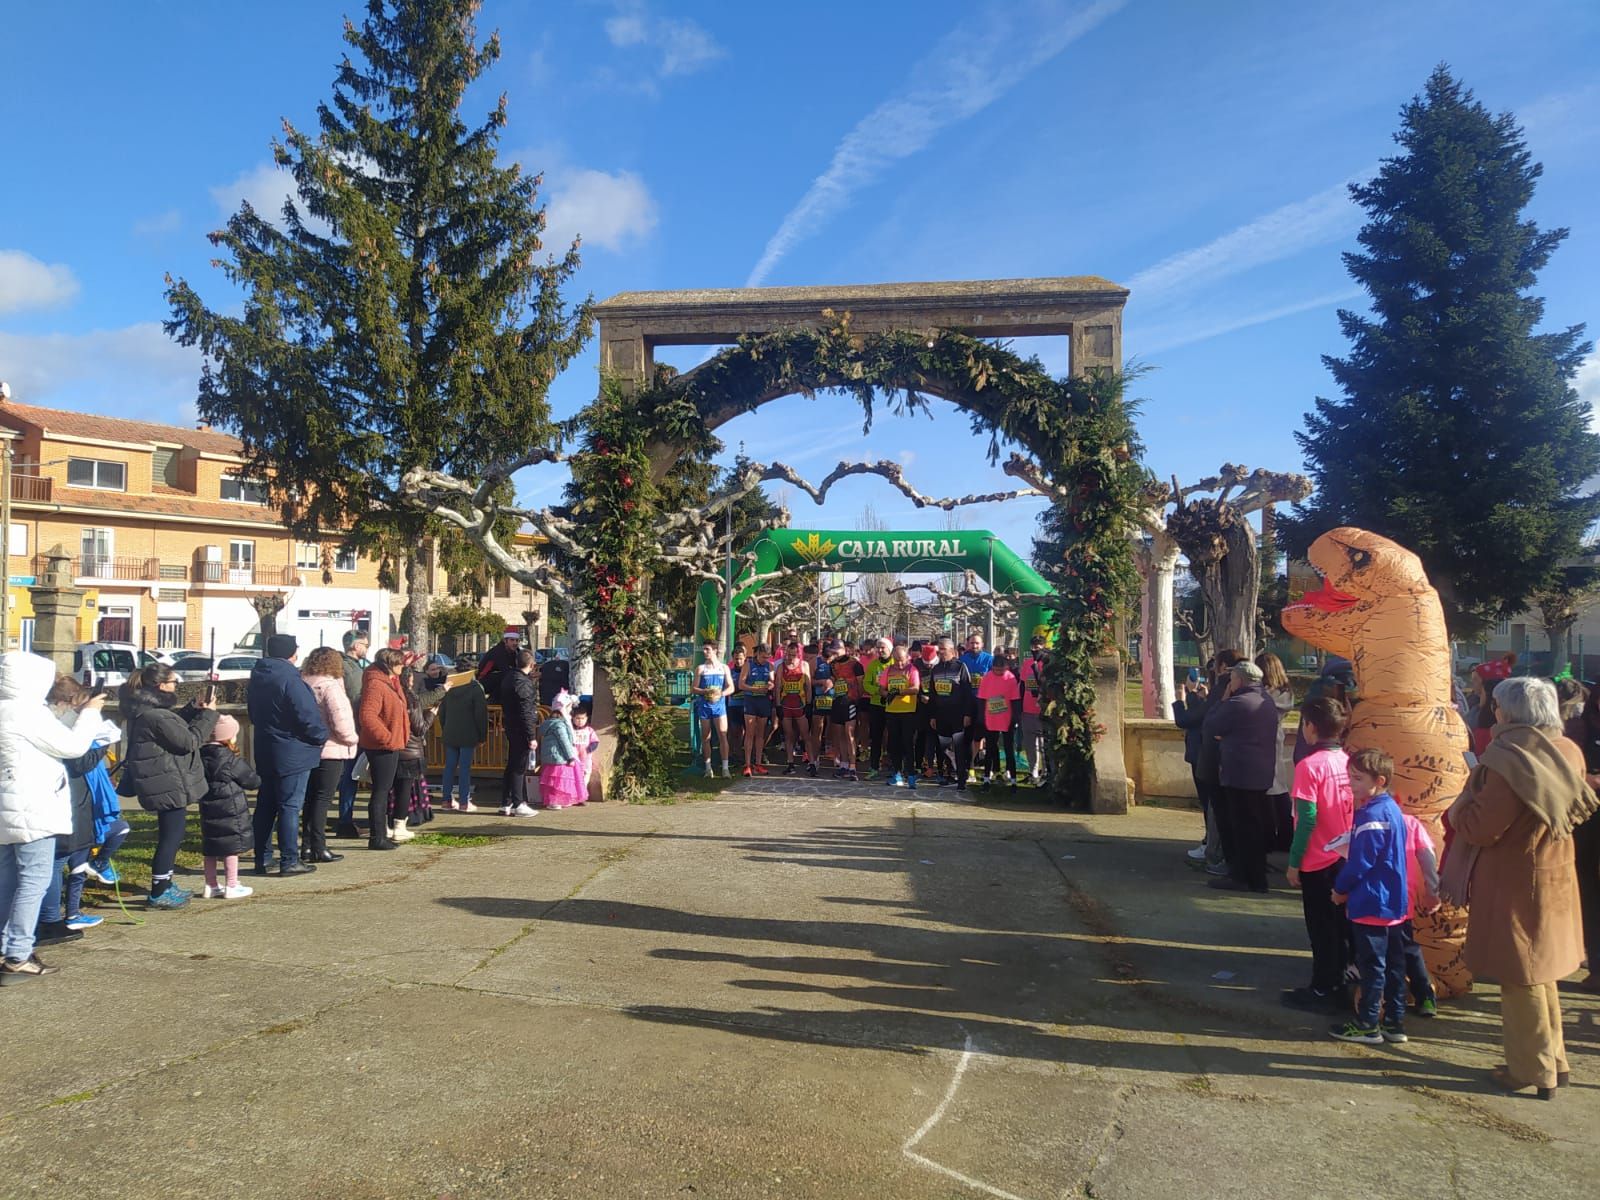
(970, 68)
(1325, 217)
(1156, 338)
(26, 283)
(136, 371)
(683, 46)
(266, 187)
(609, 209)
(158, 224)
(1588, 384)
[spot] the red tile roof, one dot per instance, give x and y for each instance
(115, 429)
(165, 501)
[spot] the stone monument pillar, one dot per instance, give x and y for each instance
(56, 605)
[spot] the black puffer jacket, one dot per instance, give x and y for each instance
(82, 835)
(224, 810)
(163, 767)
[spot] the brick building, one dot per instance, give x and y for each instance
(169, 537)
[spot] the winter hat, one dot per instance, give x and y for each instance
(227, 729)
(282, 645)
(563, 702)
(1247, 670)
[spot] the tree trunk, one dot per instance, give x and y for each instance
(1557, 633)
(419, 600)
(1157, 563)
(1231, 584)
(579, 632)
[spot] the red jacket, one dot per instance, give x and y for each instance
(382, 722)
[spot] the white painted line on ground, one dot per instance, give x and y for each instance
(909, 1149)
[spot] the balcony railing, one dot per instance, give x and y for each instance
(30, 487)
(244, 574)
(107, 566)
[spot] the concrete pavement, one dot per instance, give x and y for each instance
(798, 989)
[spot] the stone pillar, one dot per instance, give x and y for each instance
(1109, 790)
(56, 605)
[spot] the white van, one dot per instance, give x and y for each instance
(103, 666)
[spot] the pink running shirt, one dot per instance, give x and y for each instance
(1323, 777)
(997, 690)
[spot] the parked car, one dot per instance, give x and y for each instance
(198, 668)
(105, 665)
(146, 657)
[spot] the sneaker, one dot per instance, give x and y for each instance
(1393, 1034)
(173, 897)
(912, 783)
(1216, 869)
(104, 873)
(213, 891)
(748, 772)
(852, 777)
(711, 772)
(1198, 854)
(727, 771)
(1354, 1031)
(237, 892)
(1427, 1008)
(83, 921)
(522, 810)
(761, 769)
(896, 780)
(869, 775)
(812, 770)
(21, 970)
(1308, 1000)
(506, 810)
(788, 768)
(469, 806)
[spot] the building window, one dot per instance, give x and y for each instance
(164, 467)
(307, 556)
(502, 587)
(245, 491)
(1503, 628)
(241, 562)
(95, 545)
(169, 635)
(17, 539)
(344, 559)
(97, 473)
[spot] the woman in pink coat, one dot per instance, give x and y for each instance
(324, 675)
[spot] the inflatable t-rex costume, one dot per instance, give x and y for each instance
(1376, 608)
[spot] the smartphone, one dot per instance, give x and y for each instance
(210, 694)
(1194, 674)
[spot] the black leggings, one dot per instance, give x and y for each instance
(381, 765)
(902, 742)
(991, 753)
(877, 722)
(314, 816)
(169, 836)
(514, 779)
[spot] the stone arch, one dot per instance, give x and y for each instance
(916, 341)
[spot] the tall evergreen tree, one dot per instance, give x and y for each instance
(1459, 433)
(405, 318)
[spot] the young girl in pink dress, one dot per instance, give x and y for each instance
(560, 774)
(586, 741)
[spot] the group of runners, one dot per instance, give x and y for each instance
(913, 710)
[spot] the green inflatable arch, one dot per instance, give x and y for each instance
(879, 551)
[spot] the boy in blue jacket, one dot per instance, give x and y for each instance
(1374, 890)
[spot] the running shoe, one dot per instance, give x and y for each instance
(711, 772)
(505, 810)
(811, 770)
(1427, 1007)
(727, 771)
(525, 810)
(748, 772)
(83, 921)
(237, 891)
(173, 897)
(869, 775)
(1394, 1034)
(213, 891)
(897, 780)
(102, 872)
(761, 769)
(788, 768)
(911, 782)
(1354, 1031)
(852, 777)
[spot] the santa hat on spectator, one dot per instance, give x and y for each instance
(1497, 669)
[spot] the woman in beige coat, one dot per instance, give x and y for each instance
(1524, 931)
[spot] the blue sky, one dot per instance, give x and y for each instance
(1195, 153)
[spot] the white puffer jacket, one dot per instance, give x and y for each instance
(34, 800)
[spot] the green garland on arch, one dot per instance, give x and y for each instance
(1078, 429)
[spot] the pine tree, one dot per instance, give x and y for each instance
(1459, 434)
(405, 318)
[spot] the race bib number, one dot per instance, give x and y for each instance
(759, 686)
(791, 687)
(823, 701)
(713, 694)
(944, 686)
(998, 705)
(898, 684)
(1032, 685)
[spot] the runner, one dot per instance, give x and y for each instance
(712, 681)
(950, 696)
(898, 685)
(997, 690)
(1032, 726)
(847, 670)
(756, 683)
(876, 719)
(736, 696)
(925, 655)
(794, 697)
(822, 686)
(977, 661)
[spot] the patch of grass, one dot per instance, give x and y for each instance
(75, 1098)
(1200, 1085)
(133, 860)
(452, 839)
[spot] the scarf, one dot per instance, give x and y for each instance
(1528, 759)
